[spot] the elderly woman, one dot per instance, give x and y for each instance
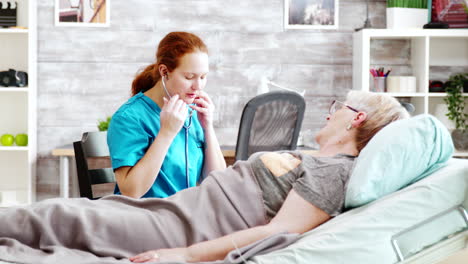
(269, 193)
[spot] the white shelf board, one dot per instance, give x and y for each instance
(413, 33)
(11, 204)
(13, 89)
(13, 148)
(406, 94)
(459, 153)
(13, 30)
(421, 94)
(443, 94)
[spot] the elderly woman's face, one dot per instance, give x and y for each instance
(336, 124)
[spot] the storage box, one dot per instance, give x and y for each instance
(401, 84)
(398, 18)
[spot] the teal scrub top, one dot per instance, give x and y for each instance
(134, 127)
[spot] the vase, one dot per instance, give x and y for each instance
(398, 17)
(460, 139)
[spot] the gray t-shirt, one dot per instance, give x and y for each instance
(321, 181)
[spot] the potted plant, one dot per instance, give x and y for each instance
(407, 13)
(103, 125)
(456, 109)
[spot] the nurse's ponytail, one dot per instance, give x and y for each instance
(145, 79)
(171, 48)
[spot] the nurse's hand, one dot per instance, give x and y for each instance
(162, 255)
(205, 109)
(173, 115)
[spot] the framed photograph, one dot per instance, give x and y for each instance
(311, 14)
(82, 13)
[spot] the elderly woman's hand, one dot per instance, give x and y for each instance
(205, 108)
(162, 255)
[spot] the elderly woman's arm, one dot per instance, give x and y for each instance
(295, 216)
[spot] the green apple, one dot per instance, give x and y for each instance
(7, 140)
(21, 140)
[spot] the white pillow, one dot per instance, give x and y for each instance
(401, 153)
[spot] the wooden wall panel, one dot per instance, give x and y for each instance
(85, 74)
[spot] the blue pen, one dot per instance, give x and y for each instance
(388, 72)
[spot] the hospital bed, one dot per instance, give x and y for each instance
(422, 223)
(409, 198)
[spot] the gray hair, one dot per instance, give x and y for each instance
(381, 110)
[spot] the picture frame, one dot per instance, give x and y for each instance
(82, 13)
(311, 14)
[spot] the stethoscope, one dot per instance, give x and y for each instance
(186, 127)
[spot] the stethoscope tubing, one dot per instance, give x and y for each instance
(187, 173)
(186, 127)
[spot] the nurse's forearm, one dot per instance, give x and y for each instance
(214, 159)
(141, 177)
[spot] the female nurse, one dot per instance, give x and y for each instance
(162, 139)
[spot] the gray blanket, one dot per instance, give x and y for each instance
(115, 227)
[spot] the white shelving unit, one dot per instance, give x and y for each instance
(428, 54)
(18, 50)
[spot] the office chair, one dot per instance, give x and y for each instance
(408, 106)
(270, 122)
(92, 147)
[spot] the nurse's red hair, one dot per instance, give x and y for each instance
(171, 48)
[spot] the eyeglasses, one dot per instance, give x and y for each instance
(336, 105)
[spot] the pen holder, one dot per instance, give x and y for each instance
(378, 84)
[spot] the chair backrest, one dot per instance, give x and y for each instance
(270, 122)
(92, 147)
(408, 106)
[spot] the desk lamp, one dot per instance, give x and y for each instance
(367, 23)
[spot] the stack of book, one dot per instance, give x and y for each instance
(451, 12)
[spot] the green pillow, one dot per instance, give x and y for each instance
(400, 154)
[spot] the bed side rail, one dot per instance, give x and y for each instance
(439, 227)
